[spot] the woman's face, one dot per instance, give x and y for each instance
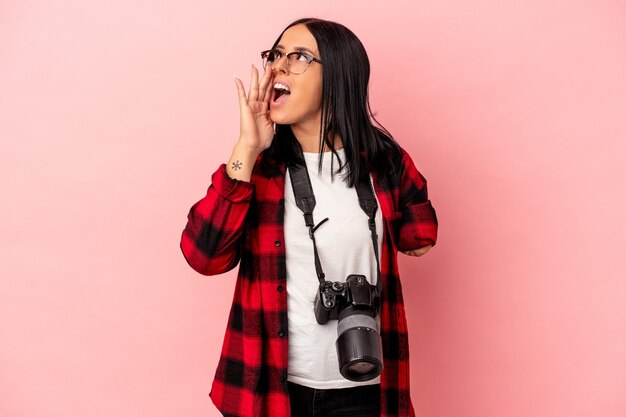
(305, 101)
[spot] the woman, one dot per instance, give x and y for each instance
(309, 109)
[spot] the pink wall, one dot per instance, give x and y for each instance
(113, 116)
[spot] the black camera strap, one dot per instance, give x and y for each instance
(305, 200)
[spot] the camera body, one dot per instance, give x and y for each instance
(354, 304)
(332, 298)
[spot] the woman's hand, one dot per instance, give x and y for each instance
(256, 127)
(418, 252)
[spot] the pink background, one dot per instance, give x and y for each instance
(113, 116)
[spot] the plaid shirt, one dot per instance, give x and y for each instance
(240, 221)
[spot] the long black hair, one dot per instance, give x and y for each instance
(345, 107)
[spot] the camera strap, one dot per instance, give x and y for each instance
(305, 200)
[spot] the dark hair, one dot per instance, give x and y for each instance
(345, 106)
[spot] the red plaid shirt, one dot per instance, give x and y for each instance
(240, 221)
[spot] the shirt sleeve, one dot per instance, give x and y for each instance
(418, 225)
(211, 241)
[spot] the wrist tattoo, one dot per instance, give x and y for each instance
(237, 165)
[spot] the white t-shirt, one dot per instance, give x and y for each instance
(345, 247)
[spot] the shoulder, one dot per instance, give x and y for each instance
(379, 156)
(268, 176)
(268, 167)
(395, 164)
(404, 159)
(410, 173)
(405, 164)
(403, 179)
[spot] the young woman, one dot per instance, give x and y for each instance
(310, 110)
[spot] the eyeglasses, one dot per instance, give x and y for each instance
(297, 62)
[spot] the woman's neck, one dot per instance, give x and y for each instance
(309, 138)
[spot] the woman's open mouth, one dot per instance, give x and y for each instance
(280, 93)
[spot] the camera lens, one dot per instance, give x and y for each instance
(359, 346)
(361, 367)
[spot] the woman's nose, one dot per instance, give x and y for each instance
(280, 64)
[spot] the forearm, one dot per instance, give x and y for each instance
(417, 228)
(211, 239)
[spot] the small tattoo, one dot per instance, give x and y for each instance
(237, 165)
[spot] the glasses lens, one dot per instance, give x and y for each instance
(297, 63)
(268, 56)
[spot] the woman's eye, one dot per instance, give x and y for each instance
(302, 57)
(273, 56)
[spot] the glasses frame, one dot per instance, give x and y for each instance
(308, 57)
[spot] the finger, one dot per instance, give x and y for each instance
(254, 85)
(268, 91)
(270, 88)
(266, 85)
(264, 82)
(241, 92)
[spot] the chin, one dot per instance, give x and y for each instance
(279, 118)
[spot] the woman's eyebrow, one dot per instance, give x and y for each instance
(297, 48)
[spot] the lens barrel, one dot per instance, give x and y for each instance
(359, 346)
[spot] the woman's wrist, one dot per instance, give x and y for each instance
(241, 162)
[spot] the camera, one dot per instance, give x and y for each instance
(355, 305)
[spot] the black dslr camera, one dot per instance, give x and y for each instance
(355, 305)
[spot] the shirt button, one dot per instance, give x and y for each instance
(281, 333)
(282, 378)
(281, 202)
(277, 243)
(280, 288)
